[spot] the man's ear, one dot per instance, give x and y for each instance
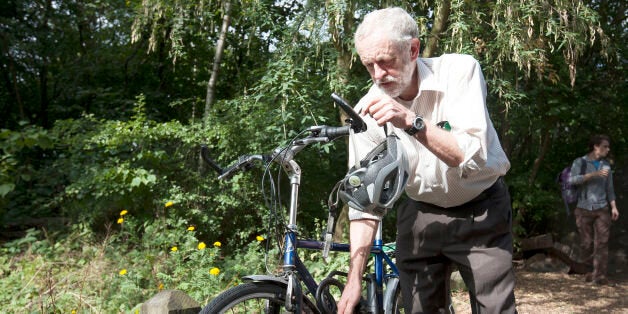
(415, 48)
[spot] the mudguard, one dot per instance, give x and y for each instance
(283, 282)
(392, 284)
(266, 278)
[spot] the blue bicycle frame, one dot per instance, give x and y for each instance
(381, 260)
(294, 271)
(292, 264)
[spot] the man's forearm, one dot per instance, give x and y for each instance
(361, 235)
(442, 144)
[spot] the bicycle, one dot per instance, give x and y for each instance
(283, 292)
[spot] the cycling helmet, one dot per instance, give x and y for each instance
(378, 180)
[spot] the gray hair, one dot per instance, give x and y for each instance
(395, 22)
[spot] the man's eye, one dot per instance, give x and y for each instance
(386, 63)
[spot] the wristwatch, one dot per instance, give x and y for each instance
(418, 125)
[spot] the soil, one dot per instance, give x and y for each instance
(557, 292)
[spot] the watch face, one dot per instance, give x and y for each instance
(418, 124)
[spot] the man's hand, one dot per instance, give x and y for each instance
(614, 211)
(383, 108)
(443, 144)
(600, 173)
(350, 298)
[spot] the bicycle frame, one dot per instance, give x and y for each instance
(294, 271)
(377, 300)
(292, 263)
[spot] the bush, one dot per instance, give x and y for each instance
(80, 271)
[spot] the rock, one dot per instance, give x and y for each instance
(170, 302)
(543, 263)
(543, 241)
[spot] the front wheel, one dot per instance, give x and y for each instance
(397, 306)
(254, 297)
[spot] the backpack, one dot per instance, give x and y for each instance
(569, 192)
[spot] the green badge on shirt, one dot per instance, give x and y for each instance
(444, 125)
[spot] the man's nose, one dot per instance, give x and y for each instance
(378, 72)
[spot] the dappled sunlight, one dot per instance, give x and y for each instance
(559, 293)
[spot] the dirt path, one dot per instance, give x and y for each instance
(560, 293)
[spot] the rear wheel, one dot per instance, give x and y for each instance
(254, 297)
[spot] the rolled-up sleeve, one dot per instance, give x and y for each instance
(610, 190)
(468, 114)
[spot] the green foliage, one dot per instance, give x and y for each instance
(84, 272)
(535, 209)
(92, 148)
(18, 170)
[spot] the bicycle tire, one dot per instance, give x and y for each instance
(397, 307)
(254, 297)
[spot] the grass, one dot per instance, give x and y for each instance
(79, 272)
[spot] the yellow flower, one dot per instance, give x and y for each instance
(122, 272)
(201, 245)
(214, 271)
(260, 238)
(123, 212)
(191, 228)
(73, 312)
(161, 286)
(174, 249)
(217, 244)
(169, 204)
(120, 220)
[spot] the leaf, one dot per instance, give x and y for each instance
(6, 188)
(151, 178)
(136, 182)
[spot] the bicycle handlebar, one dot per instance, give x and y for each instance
(357, 124)
(317, 134)
(244, 163)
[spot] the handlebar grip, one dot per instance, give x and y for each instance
(228, 173)
(209, 160)
(244, 163)
(357, 124)
(334, 132)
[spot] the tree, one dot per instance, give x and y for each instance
(220, 46)
(550, 66)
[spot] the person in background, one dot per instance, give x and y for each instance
(458, 212)
(596, 206)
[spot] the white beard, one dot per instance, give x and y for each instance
(400, 83)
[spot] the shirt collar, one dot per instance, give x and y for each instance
(427, 78)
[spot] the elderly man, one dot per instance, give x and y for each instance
(458, 212)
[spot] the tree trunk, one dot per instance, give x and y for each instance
(343, 64)
(539, 159)
(440, 24)
(12, 79)
(43, 95)
(220, 46)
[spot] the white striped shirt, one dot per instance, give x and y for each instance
(452, 89)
